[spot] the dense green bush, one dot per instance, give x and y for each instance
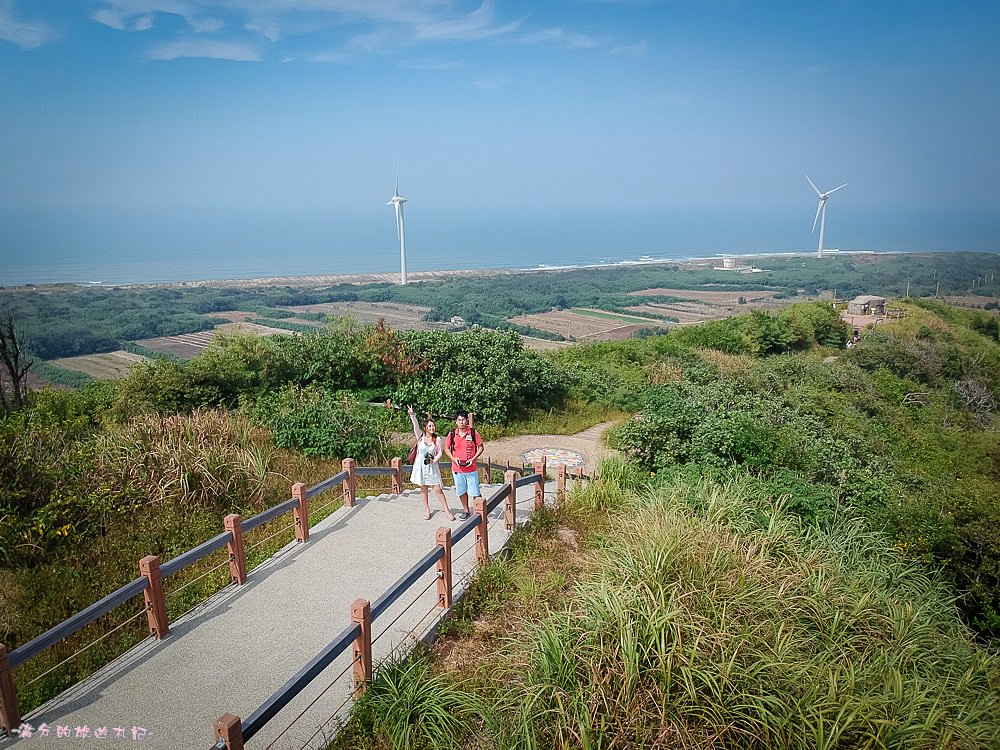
(724, 423)
(795, 328)
(486, 372)
(322, 423)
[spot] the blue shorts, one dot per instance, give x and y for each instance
(467, 483)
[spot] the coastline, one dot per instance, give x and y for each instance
(392, 277)
(322, 280)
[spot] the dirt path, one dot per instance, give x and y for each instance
(585, 448)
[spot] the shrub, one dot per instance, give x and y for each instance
(486, 372)
(320, 423)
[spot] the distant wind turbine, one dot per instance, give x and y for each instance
(398, 201)
(821, 210)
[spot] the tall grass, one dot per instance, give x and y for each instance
(407, 707)
(166, 484)
(200, 458)
(712, 618)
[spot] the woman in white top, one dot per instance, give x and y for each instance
(426, 472)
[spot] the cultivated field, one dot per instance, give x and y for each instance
(543, 345)
(699, 305)
(586, 325)
(190, 345)
(107, 366)
(398, 316)
(712, 297)
(970, 300)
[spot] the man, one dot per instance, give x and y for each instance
(463, 446)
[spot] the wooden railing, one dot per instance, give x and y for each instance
(152, 573)
(232, 732)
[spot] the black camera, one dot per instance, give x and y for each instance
(428, 460)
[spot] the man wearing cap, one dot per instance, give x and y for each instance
(463, 446)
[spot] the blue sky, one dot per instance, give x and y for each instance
(598, 107)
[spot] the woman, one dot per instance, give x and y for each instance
(426, 472)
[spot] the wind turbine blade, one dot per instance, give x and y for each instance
(818, 208)
(836, 189)
(813, 186)
(396, 190)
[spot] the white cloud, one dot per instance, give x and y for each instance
(432, 65)
(123, 21)
(206, 25)
(25, 34)
(267, 29)
(371, 26)
(631, 50)
(215, 49)
(569, 39)
(328, 57)
(479, 24)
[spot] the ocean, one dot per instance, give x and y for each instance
(109, 248)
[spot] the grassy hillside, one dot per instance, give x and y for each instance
(872, 474)
(696, 613)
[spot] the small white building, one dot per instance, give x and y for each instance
(867, 304)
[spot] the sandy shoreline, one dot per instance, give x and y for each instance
(392, 277)
(319, 280)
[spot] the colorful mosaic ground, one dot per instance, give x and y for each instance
(555, 457)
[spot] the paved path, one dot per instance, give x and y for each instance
(589, 444)
(232, 652)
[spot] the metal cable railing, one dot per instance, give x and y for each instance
(269, 537)
(193, 581)
(94, 642)
(312, 703)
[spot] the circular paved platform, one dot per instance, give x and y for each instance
(555, 456)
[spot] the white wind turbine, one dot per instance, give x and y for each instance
(398, 201)
(821, 209)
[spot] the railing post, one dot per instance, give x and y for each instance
(444, 582)
(510, 503)
(578, 484)
(350, 484)
(229, 728)
(156, 602)
(10, 714)
(540, 485)
(560, 484)
(301, 512)
(397, 476)
(482, 532)
(237, 556)
(361, 613)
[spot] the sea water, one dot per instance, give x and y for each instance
(121, 247)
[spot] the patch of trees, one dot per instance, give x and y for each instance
(847, 433)
(69, 321)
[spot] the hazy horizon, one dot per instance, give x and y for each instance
(137, 246)
(141, 124)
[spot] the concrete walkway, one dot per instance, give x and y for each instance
(234, 651)
(589, 444)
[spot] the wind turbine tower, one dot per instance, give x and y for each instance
(821, 213)
(397, 200)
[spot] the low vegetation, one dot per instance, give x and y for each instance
(701, 613)
(802, 548)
